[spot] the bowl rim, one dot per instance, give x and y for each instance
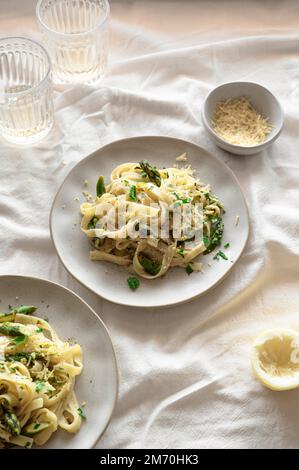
(272, 136)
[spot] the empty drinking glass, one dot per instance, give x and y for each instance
(76, 35)
(26, 106)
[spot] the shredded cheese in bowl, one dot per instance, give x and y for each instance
(237, 122)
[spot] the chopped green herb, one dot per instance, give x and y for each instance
(189, 269)
(206, 240)
(180, 252)
(20, 339)
(39, 330)
(226, 245)
(81, 413)
(221, 254)
(100, 186)
(216, 234)
(181, 200)
(133, 283)
(39, 385)
(133, 193)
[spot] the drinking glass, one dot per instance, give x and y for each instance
(26, 105)
(75, 33)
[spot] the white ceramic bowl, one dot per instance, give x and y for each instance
(261, 99)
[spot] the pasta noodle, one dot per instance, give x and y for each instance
(150, 219)
(37, 378)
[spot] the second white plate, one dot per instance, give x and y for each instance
(109, 280)
(71, 317)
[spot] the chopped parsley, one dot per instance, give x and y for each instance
(39, 330)
(180, 252)
(81, 413)
(39, 385)
(133, 193)
(133, 283)
(227, 245)
(189, 269)
(206, 240)
(181, 200)
(18, 357)
(215, 236)
(221, 255)
(19, 339)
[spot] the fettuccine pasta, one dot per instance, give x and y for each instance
(37, 378)
(146, 240)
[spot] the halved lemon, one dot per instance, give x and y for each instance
(275, 358)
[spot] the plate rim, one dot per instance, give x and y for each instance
(47, 281)
(140, 138)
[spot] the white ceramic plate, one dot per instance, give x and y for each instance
(71, 317)
(109, 280)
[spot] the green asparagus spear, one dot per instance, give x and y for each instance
(25, 309)
(5, 317)
(150, 266)
(10, 330)
(11, 423)
(92, 223)
(151, 172)
(9, 418)
(101, 186)
(10, 316)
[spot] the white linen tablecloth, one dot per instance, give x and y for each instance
(185, 376)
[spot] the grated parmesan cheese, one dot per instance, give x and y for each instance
(182, 158)
(197, 267)
(238, 123)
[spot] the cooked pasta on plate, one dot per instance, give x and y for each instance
(181, 179)
(151, 219)
(37, 378)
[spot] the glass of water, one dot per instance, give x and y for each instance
(26, 106)
(76, 35)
